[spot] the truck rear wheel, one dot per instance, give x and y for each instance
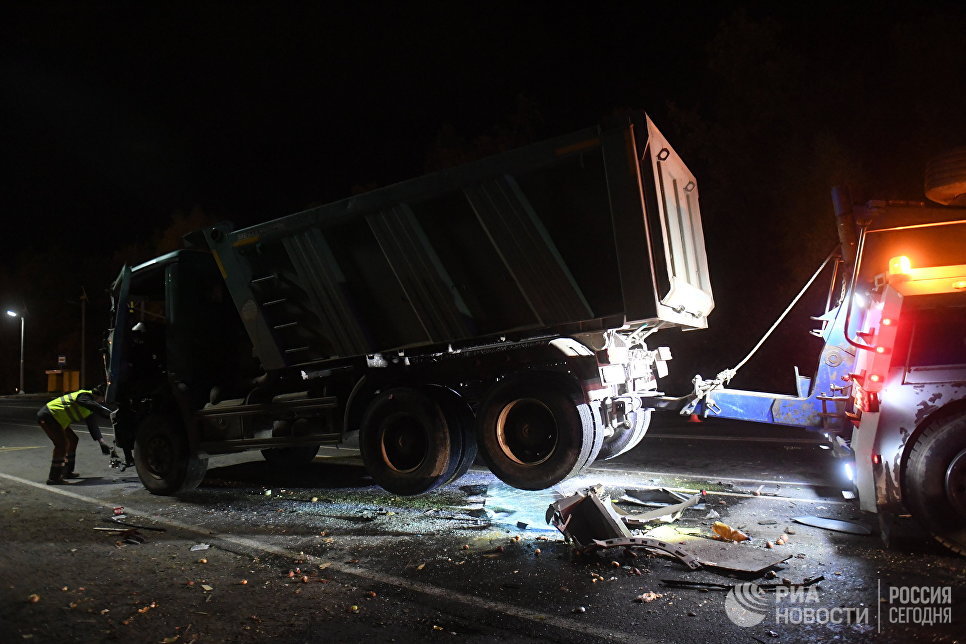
(407, 443)
(462, 424)
(626, 439)
(162, 458)
(288, 457)
(935, 480)
(533, 436)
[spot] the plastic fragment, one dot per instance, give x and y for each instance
(725, 532)
(200, 546)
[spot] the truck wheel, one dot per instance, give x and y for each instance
(290, 457)
(162, 458)
(935, 480)
(295, 456)
(462, 424)
(626, 439)
(534, 436)
(407, 444)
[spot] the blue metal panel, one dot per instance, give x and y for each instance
(822, 407)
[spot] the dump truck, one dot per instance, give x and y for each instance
(889, 388)
(498, 309)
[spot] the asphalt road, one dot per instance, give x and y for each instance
(321, 554)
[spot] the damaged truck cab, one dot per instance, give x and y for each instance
(497, 309)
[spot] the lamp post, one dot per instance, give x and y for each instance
(14, 314)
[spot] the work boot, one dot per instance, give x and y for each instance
(56, 476)
(69, 472)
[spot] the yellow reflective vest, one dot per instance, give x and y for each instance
(66, 411)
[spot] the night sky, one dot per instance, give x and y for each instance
(116, 116)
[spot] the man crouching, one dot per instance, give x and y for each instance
(55, 418)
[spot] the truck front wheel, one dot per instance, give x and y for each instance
(163, 460)
(533, 436)
(627, 438)
(407, 443)
(935, 479)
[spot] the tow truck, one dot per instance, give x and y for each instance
(889, 389)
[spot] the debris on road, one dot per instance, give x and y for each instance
(134, 525)
(833, 524)
(648, 597)
(664, 513)
(702, 585)
(724, 532)
(729, 555)
(585, 517)
(200, 546)
(652, 544)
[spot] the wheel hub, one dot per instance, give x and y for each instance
(404, 444)
(956, 482)
(527, 431)
(159, 456)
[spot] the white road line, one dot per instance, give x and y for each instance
(369, 575)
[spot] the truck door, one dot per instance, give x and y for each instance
(116, 336)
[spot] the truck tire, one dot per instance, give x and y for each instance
(163, 461)
(626, 439)
(462, 423)
(295, 456)
(290, 457)
(533, 436)
(407, 444)
(935, 479)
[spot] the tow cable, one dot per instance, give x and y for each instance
(704, 387)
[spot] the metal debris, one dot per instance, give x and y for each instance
(833, 524)
(739, 557)
(134, 525)
(667, 513)
(702, 585)
(655, 544)
(584, 517)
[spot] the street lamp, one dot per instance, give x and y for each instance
(14, 314)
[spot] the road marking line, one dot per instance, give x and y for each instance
(363, 573)
(14, 449)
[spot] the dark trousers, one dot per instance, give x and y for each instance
(63, 438)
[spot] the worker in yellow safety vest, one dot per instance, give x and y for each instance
(55, 418)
